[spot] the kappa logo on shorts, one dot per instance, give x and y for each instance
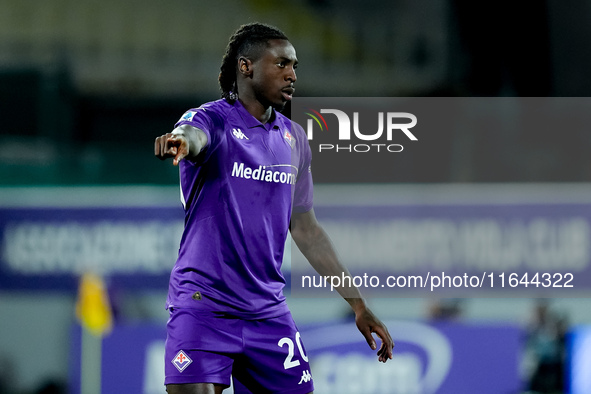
(306, 377)
(181, 361)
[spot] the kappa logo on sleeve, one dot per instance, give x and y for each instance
(181, 361)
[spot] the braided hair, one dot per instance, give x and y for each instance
(247, 41)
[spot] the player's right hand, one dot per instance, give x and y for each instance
(171, 145)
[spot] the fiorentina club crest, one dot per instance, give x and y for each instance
(181, 361)
(289, 138)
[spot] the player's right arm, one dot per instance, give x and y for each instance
(185, 141)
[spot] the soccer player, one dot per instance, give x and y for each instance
(245, 182)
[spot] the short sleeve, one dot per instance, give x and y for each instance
(205, 120)
(303, 199)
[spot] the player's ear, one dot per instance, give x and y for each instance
(244, 66)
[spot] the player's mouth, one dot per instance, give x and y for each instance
(287, 93)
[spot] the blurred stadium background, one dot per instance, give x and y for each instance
(86, 86)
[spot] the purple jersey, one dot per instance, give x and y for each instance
(238, 196)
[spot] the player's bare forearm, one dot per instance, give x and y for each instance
(184, 142)
(317, 247)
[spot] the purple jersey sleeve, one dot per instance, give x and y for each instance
(303, 194)
(206, 120)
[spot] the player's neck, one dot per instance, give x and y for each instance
(255, 108)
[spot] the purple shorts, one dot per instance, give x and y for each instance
(261, 356)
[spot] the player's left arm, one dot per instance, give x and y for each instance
(316, 246)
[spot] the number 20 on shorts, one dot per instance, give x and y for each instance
(289, 361)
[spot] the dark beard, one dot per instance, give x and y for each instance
(266, 103)
(279, 107)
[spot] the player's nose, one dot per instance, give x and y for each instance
(291, 75)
